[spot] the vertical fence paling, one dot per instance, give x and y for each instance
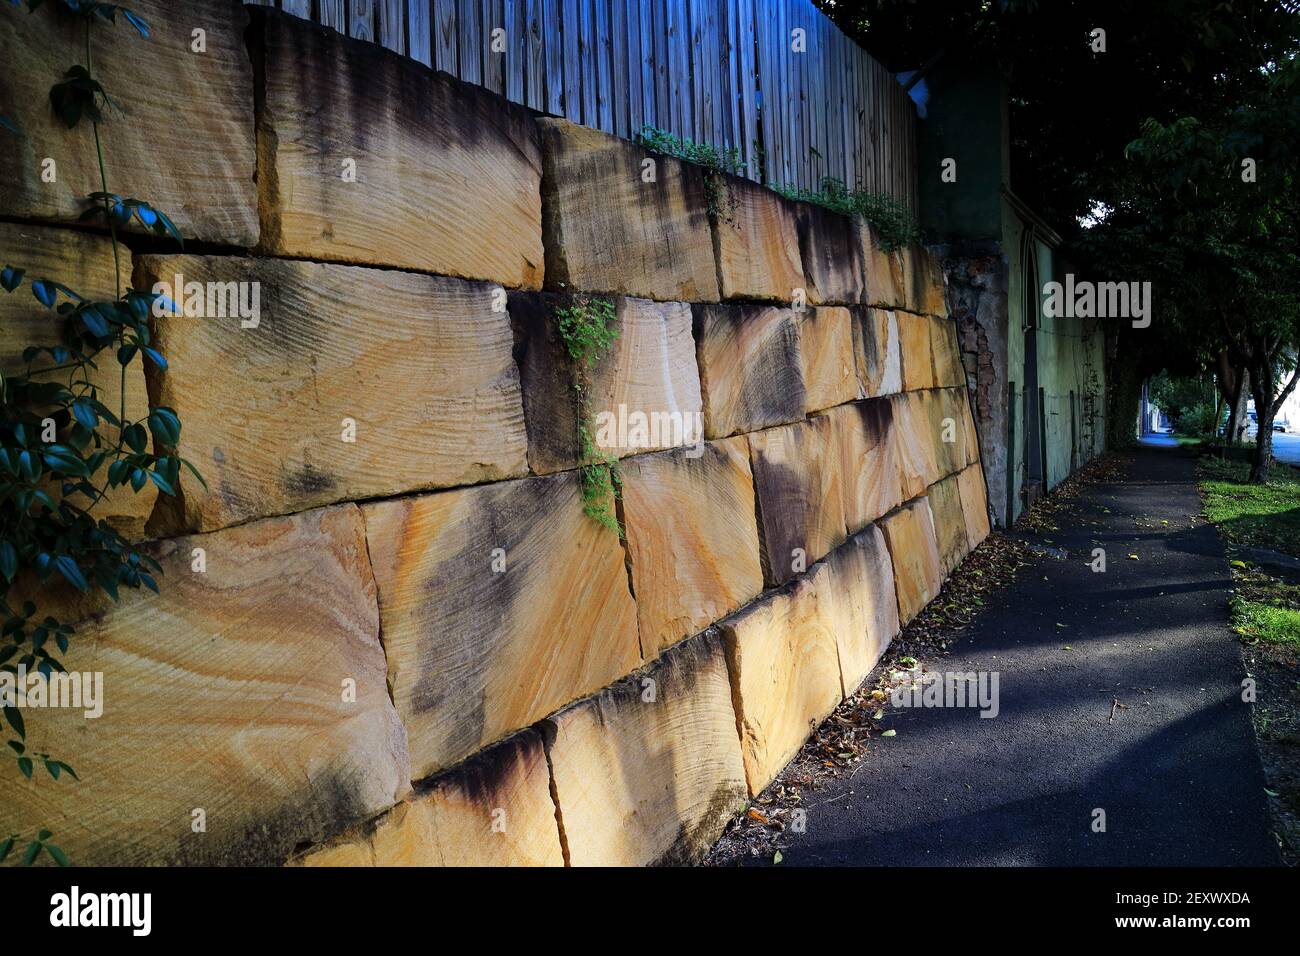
(717, 71)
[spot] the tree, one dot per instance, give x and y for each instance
(1214, 196)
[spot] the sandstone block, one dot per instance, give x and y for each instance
(916, 443)
(494, 809)
(827, 357)
(608, 231)
(254, 690)
(945, 355)
(918, 571)
(968, 420)
(915, 346)
(867, 460)
(643, 395)
(418, 369)
(800, 505)
(751, 372)
(188, 150)
(499, 603)
(84, 263)
(974, 505)
(785, 672)
(947, 427)
(831, 254)
(649, 770)
(691, 537)
(446, 176)
(757, 242)
(949, 522)
(877, 352)
(884, 270)
(928, 291)
(863, 604)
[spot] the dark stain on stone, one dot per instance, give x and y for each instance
(877, 417)
(473, 602)
(309, 480)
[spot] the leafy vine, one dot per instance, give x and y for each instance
(62, 449)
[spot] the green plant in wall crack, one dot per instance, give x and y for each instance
(892, 220)
(714, 159)
(588, 327)
(63, 450)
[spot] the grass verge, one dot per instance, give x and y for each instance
(1265, 613)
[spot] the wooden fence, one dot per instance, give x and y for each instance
(774, 79)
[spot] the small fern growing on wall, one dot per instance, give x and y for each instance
(714, 159)
(588, 327)
(892, 220)
(62, 449)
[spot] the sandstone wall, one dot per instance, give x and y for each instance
(411, 645)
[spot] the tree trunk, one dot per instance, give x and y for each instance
(1237, 422)
(1261, 389)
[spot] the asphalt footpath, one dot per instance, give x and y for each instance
(1121, 737)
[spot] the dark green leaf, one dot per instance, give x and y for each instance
(163, 485)
(14, 717)
(45, 292)
(69, 569)
(136, 437)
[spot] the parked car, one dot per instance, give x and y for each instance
(1279, 425)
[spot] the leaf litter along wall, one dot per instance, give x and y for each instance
(410, 645)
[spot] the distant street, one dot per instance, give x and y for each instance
(1286, 446)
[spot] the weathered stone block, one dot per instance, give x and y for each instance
(800, 505)
(418, 369)
(974, 505)
(757, 242)
(254, 690)
(917, 361)
(927, 288)
(831, 254)
(968, 420)
(877, 352)
(863, 603)
(187, 149)
(947, 427)
(495, 809)
(404, 167)
(499, 603)
(643, 395)
(751, 372)
(867, 460)
(785, 672)
(944, 354)
(84, 263)
(827, 357)
(949, 522)
(691, 537)
(916, 443)
(649, 770)
(884, 270)
(918, 571)
(609, 231)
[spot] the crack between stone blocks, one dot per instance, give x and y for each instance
(547, 732)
